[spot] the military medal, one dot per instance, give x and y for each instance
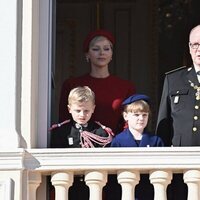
(197, 94)
(176, 99)
(70, 140)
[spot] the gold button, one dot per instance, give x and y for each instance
(196, 107)
(194, 129)
(195, 117)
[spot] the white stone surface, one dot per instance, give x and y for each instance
(6, 189)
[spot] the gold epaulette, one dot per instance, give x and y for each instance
(174, 70)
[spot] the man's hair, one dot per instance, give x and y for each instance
(193, 29)
(81, 94)
(137, 106)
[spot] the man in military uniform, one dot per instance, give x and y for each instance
(179, 113)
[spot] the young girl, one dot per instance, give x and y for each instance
(136, 114)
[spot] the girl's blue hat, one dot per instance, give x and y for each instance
(136, 97)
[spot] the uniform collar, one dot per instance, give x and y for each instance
(192, 76)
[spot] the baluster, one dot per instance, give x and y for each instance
(128, 180)
(96, 180)
(160, 181)
(61, 181)
(34, 182)
(192, 179)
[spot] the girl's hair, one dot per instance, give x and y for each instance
(81, 94)
(137, 106)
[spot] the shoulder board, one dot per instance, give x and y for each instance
(107, 129)
(59, 124)
(174, 70)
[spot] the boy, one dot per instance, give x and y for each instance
(136, 114)
(80, 131)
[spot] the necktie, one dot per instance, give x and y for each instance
(198, 73)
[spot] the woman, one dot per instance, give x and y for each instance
(110, 90)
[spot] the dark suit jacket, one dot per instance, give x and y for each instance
(179, 113)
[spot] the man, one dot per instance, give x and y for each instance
(179, 113)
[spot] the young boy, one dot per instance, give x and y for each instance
(136, 113)
(80, 131)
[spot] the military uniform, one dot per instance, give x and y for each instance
(179, 118)
(179, 113)
(70, 134)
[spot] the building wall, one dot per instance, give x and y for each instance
(24, 61)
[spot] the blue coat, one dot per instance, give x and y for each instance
(126, 139)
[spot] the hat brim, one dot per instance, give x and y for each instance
(93, 34)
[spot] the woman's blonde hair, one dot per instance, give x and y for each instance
(99, 38)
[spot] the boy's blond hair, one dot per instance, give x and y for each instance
(137, 106)
(81, 94)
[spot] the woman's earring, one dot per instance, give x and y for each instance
(87, 59)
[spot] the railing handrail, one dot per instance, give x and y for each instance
(127, 163)
(49, 159)
(176, 159)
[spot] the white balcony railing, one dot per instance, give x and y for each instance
(128, 163)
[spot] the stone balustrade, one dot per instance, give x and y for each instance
(96, 164)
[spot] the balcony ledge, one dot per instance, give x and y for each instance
(144, 159)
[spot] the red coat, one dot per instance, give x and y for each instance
(110, 92)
